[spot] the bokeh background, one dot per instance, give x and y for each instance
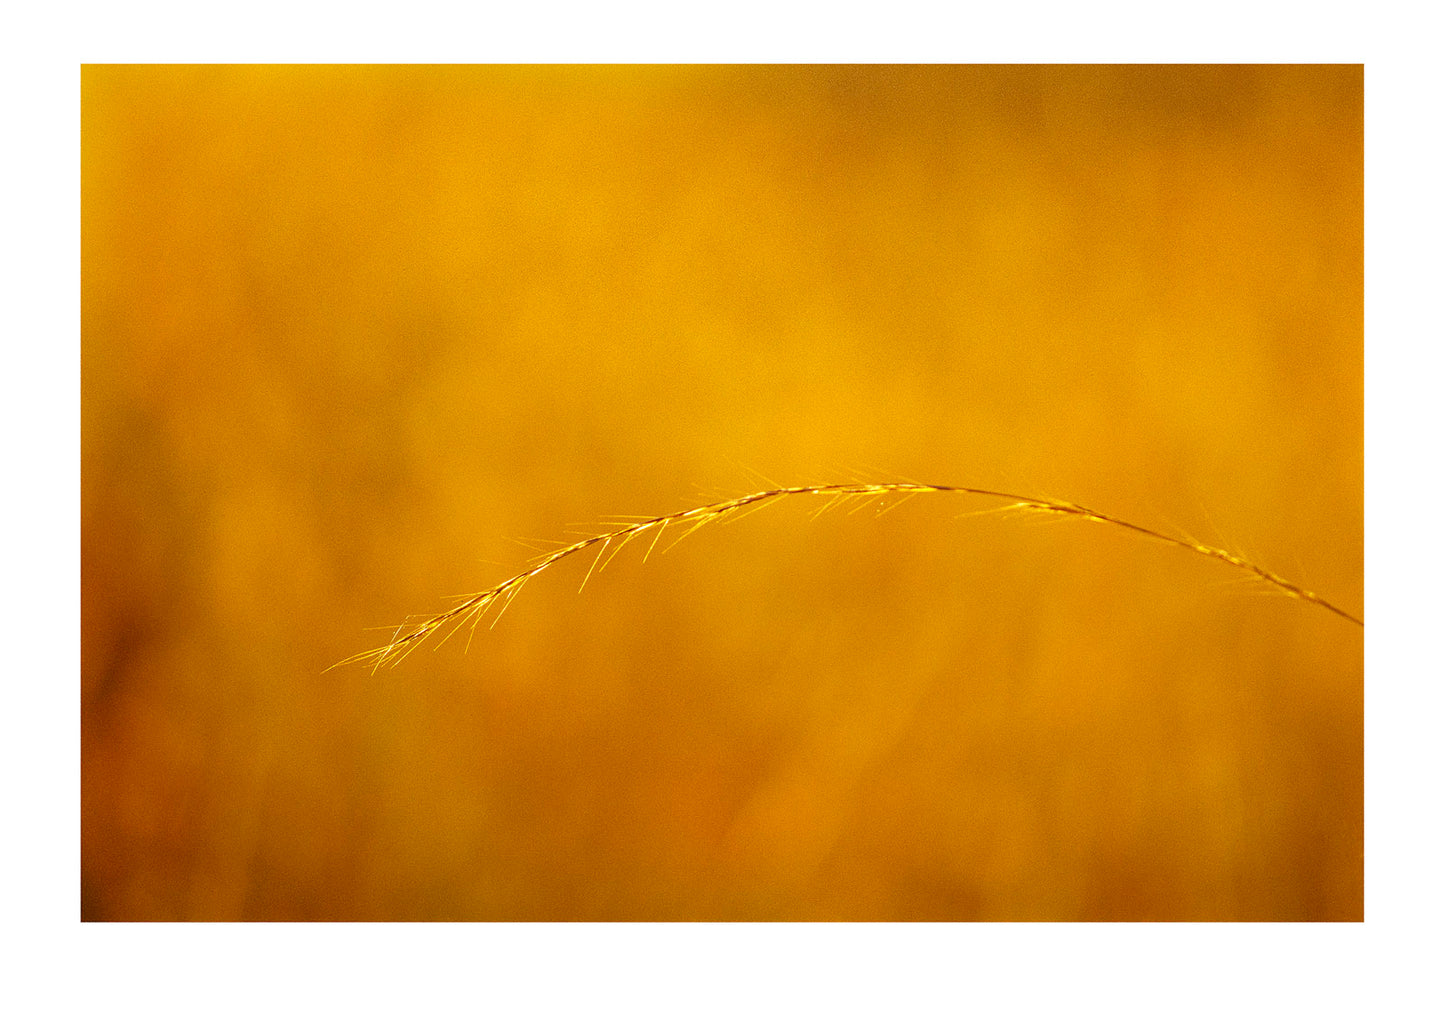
(349, 333)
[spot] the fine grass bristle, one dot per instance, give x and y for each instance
(474, 608)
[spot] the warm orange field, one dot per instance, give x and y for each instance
(350, 333)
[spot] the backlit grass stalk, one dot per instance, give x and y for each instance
(474, 608)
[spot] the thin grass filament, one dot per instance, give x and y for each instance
(887, 496)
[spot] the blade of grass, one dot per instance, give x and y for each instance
(472, 608)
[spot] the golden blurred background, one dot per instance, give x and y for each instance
(349, 333)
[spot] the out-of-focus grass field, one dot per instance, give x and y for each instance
(349, 333)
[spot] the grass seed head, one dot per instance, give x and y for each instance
(856, 496)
